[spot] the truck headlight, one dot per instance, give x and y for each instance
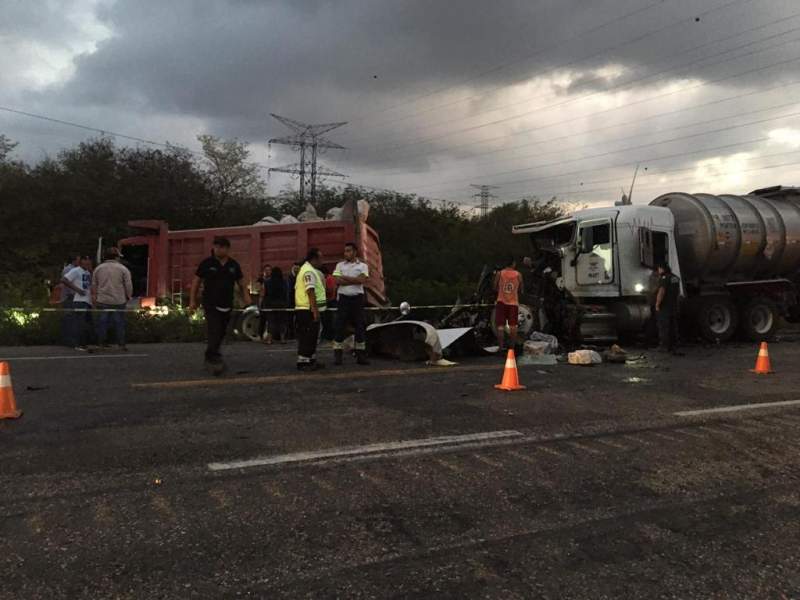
(638, 288)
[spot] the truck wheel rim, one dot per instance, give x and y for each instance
(719, 319)
(761, 319)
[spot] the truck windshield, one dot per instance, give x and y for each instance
(554, 237)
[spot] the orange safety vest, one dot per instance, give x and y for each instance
(508, 287)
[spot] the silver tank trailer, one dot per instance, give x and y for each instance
(735, 238)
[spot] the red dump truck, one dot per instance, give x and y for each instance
(163, 262)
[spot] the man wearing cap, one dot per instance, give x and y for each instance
(310, 301)
(350, 275)
(218, 274)
(112, 287)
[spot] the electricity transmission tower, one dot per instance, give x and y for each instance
(309, 141)
(485, 195)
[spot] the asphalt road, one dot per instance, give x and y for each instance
(136, 476)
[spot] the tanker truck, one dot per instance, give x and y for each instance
(738, 258)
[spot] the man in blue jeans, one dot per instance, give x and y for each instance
(79, 281)
(112, 287)
(65, 302)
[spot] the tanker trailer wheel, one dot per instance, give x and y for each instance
(717, 319)
(759, 319)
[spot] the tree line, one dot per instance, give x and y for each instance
(433, 251)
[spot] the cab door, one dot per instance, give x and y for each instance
(594, 264)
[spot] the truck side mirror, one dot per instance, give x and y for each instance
(587, 240)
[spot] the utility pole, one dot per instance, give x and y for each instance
(485, 195)
(308, 140)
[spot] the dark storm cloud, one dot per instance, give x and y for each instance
(236, 61)
(225, 65)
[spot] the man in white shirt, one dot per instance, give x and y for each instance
(351, 274)
(65, 299)
(79, 281)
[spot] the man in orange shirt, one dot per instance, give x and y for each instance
(508, 284)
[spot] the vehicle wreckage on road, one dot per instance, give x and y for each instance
(738, 258)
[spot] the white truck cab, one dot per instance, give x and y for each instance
(606, 261)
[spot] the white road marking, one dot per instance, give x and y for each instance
(551, 451)
(716, 430)
(72, 357)
(356, 452)
(737, 407)
(698, 436)
(664, 436)
(584, 447)
(611, 444)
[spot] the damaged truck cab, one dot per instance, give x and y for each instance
(738, 258)
(602, 260)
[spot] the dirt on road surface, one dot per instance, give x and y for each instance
(136, 476)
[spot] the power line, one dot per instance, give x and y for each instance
(561, 104)
(627, 138)
(104, 132)
(658, 75)
(594, 55)
(557, 189)
(578, 36)
(616, 108)
(567, 193)
(507, 183)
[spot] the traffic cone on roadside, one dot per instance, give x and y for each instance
(8, 404)
(762, 362)
(510, 381)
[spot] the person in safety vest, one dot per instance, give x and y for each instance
(309, 303)
(508, 283)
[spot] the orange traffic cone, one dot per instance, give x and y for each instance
(8, 404)
(762, 362)
(510, 381)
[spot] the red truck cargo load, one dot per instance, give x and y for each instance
(163, 262)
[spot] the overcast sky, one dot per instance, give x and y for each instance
(539, 97)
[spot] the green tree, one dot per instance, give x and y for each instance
(6, 146)
(235, 183)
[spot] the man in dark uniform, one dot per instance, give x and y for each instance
(669, 291)
(218, 273)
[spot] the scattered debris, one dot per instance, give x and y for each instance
(546, 338)
(538, 359)
(309, 215)
(615, 354)
(635, 380)
(584, 357)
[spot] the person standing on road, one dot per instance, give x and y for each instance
(330, 297)
(79, 281)
(309, 303)
(218, 274)
(112, 287)
(669, 291)
(263, 283)
(508, 283)
(65, 300)
(291, 279)
(275, 303)
(351, 274)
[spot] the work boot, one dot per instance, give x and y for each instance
(361, 357)
(338, 355)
